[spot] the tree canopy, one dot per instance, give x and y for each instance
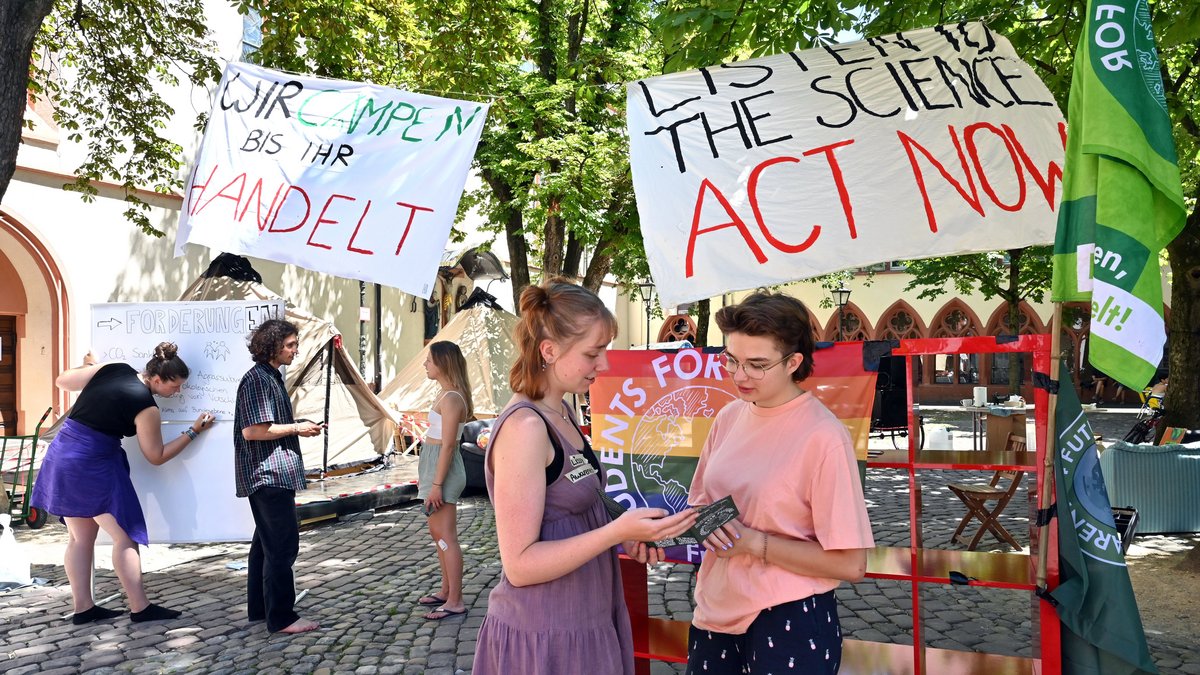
(104, 67)
(554, 159)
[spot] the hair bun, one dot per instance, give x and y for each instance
(534, 297)
(165, 351)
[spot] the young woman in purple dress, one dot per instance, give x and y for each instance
(559, 607)
(84, 478)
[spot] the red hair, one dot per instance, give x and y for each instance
(557, 310)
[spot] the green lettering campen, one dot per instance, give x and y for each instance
(369, 110)
(457, 116)
(310, 99)
(361, 112)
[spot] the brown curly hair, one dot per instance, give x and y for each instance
(266, 340)
(780, 317)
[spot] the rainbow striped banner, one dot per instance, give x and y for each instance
(651, 412)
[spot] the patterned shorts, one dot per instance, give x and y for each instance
(801, 636)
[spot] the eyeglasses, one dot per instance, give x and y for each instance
(754, 371)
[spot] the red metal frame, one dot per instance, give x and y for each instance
(666, 640)
(1050, 661)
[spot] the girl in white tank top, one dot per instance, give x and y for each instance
(442, 476)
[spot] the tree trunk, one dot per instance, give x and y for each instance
(703, 311)
(598, 268)
(19, 24)
(574, 256)
(1183, 394)
(514, 231)
(1014, 317)
(554, 236)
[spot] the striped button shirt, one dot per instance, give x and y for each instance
(262, 398)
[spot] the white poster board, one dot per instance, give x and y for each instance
(191, 498)
(934, 142)
(347, 178)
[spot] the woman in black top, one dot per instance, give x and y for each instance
(85, 476)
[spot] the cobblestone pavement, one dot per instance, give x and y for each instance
(361, 578)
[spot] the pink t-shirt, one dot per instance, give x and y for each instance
(792, 473)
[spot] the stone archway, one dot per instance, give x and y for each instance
(677, 327)
(36, 300)
(949, 377)
(855, 326)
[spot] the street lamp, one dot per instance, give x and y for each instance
(841, 297)
(646, 288)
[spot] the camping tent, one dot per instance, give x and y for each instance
(484, 332)
(360, 427)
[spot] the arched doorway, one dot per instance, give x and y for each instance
(900, 322)
(34, 309)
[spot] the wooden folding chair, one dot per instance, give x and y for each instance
(978, 497)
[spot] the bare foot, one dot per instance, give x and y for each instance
(300, 626)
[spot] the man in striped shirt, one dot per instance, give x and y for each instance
(268, 469)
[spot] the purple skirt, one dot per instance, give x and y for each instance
(86, 474)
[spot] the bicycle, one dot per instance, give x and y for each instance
(1149, 416)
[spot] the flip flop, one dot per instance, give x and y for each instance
(445, 614)
(431, 600)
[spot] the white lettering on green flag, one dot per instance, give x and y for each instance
(1122, 198)
(1102, 630)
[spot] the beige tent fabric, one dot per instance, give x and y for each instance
(360, 427)
(485, 336)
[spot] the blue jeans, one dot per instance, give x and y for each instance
(270, 585)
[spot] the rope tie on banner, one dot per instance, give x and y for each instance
(1044, 516)
(1044, 381)
(1044, 594)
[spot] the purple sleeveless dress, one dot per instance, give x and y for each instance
(577, 623)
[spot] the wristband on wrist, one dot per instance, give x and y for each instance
(437, 485)
(190, 433)
(764, 547)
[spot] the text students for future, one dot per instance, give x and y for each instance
(85, 476)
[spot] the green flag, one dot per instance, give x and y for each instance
(1122, 199)
(1102, 630)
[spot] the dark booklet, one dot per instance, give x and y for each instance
(711, 517)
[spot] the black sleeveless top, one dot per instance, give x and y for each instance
(111, 399)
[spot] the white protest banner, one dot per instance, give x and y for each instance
(211, 337)
(191, 498)
(936, 142)
(347, 178)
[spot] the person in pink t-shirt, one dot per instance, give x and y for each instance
(765, 593)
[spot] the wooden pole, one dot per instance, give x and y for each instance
(1046, 496)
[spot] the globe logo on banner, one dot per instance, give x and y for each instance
(651, 413)
(664, 426)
